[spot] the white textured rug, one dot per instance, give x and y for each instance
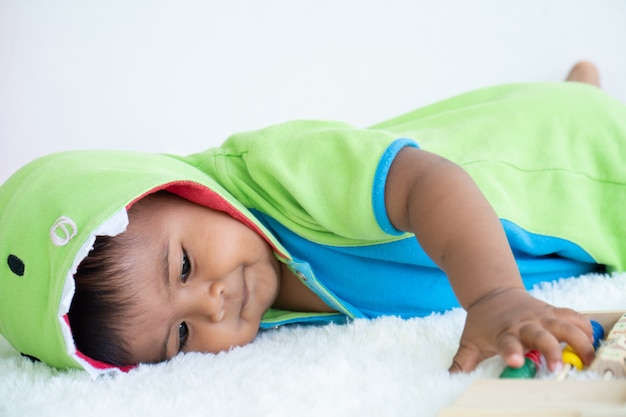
(385, 367)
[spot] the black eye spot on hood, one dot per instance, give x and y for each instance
(16, 265)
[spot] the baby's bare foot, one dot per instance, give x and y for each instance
(584, 72)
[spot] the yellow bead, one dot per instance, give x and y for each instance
(569, 357)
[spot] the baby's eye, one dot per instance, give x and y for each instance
(183, 333)
(185, 269)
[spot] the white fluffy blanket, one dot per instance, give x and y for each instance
(385, 367)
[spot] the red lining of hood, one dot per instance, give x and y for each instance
(98, 364)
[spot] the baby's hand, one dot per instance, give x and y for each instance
(511, 322)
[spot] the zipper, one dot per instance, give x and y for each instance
(302, 270)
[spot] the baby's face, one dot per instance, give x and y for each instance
(202, 280)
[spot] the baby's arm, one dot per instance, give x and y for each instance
(438, 202)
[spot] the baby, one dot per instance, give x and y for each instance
(120, 258)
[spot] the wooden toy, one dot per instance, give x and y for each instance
(611, 357)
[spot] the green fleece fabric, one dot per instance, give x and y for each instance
(549, 157)
(314, 177)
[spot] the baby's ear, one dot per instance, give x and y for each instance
(16, 265)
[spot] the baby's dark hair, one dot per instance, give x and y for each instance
(101, 301)
(105, 297)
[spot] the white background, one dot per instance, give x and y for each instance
(180, 76)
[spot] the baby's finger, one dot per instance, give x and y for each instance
(535, 336)
(576, 319)
(510, 349)
(578, 339)
(466, 359)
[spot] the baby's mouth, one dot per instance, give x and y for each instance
(244, 299)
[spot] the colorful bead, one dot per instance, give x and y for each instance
(571, 358)
(527, 371)
(598, 333)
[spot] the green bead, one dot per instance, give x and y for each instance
(527, 371)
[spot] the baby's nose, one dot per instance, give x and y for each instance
(216, 300)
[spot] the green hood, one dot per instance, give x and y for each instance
(50, 214)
